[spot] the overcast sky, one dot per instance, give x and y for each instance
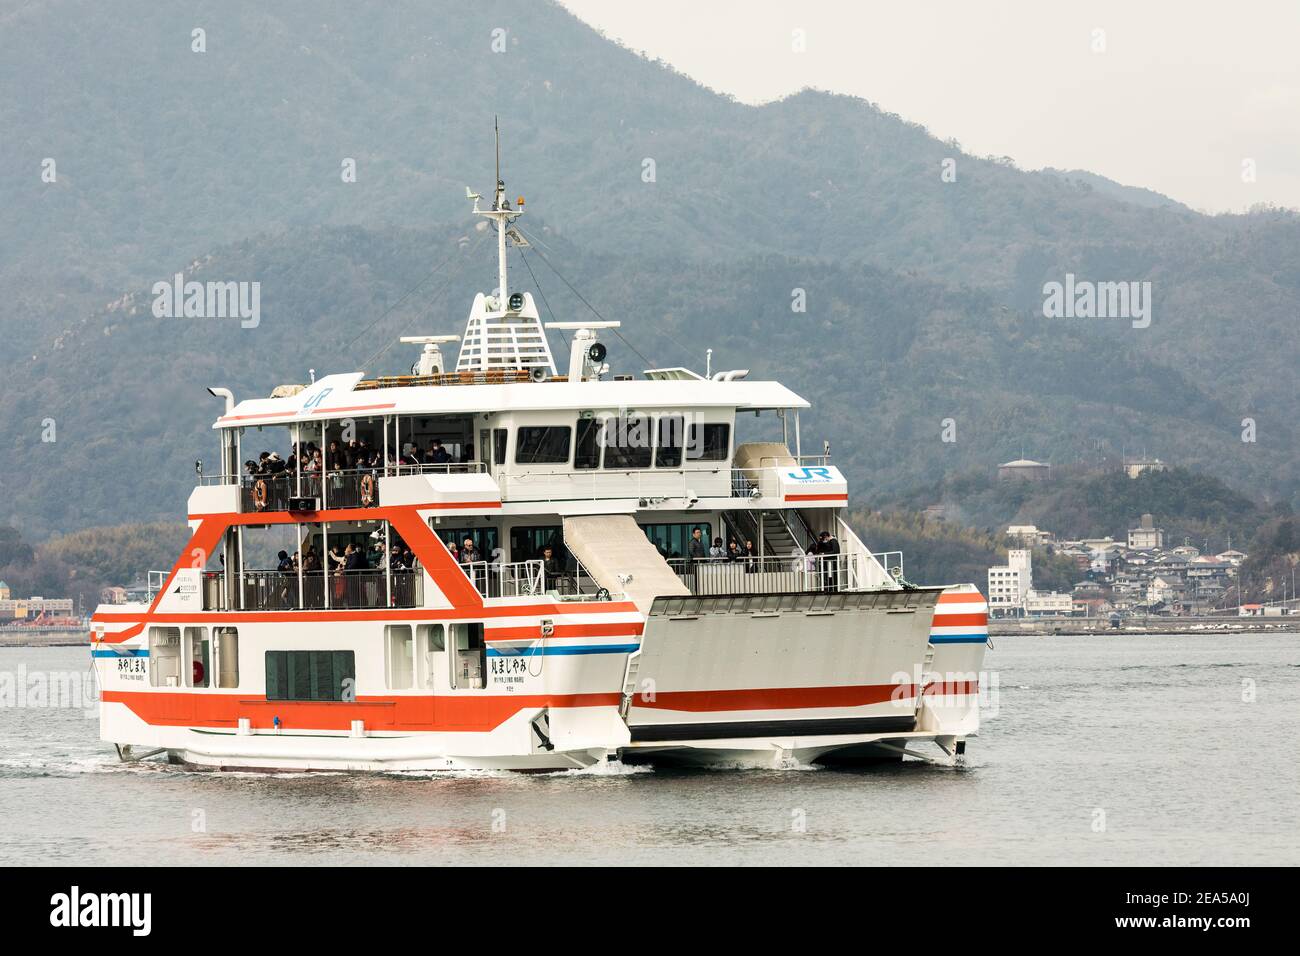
(1183, 94)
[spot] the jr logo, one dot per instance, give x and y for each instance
(809, 474)
(315, 400)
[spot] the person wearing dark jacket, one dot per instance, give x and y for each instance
(699, 548)
(828, 548)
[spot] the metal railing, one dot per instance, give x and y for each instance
(652, 484)
(795, 574)
(279, 591)
(335, 489)
(497, 579)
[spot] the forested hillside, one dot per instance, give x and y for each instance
(924, 296)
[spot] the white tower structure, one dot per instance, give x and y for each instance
(504, 329)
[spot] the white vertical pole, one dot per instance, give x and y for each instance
(325, 560)
(388, 567)
(798, 446)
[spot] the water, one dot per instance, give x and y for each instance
(1151, 731)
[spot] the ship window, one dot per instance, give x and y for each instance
(196, 666)
(227, 642)
(713, 443)
(310, 675)
(587, 451)
(674, 540)
(627, 442)
(548, 445)
(672, 436)
(165, 656)
(432, 640)
(401, 656)
(499, 436)
(469, 660)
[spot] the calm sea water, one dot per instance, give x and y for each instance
(1149, 735)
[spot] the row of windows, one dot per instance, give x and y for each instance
(631, 442)
(193, 658)
(189, 657)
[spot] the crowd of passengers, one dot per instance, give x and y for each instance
(354, 456)
(700, 549)
(341, 559)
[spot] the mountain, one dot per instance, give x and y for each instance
(1133, 194)
(925, 297)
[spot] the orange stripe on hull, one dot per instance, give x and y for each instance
(816, 497)
(961, 597)
(960, 620)
(470, 712)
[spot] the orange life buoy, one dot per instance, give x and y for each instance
(259, 494)
(367, 490)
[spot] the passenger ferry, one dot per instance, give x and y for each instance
(586, 622)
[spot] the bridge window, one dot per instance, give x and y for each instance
(547, 445)
(587, 452)
(708, 442)
(672, 438)
(628, 442)
(311, 675)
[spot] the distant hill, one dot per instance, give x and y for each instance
(1084, 501)
(1108, 187)
(925, 296)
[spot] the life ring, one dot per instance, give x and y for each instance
(198, 673)
(367, 490)
(259, 494)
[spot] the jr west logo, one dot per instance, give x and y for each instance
(103, 909)
(809, 474)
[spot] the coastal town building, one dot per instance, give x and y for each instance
(1012, 594)
(1145, 535)
(29, 609)
(1136, 466)
(1024, 469)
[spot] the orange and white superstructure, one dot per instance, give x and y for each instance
(591, 624)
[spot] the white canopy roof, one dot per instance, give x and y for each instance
(335, 396)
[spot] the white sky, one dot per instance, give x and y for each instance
(1184, 92)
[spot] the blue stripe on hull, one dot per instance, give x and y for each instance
(958, 638)
(550, 651)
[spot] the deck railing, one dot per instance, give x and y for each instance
(495, 579)
(278, 591)
(795, 574)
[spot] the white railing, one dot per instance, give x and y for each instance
(498, 579)
(794, 574)
(871, 569)
(600, 484)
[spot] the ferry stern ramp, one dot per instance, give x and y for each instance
(762, 680)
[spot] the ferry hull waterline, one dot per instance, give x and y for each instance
(501, 567)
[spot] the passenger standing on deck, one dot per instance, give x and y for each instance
(697, 550)
(828, 549)
(551, 569)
